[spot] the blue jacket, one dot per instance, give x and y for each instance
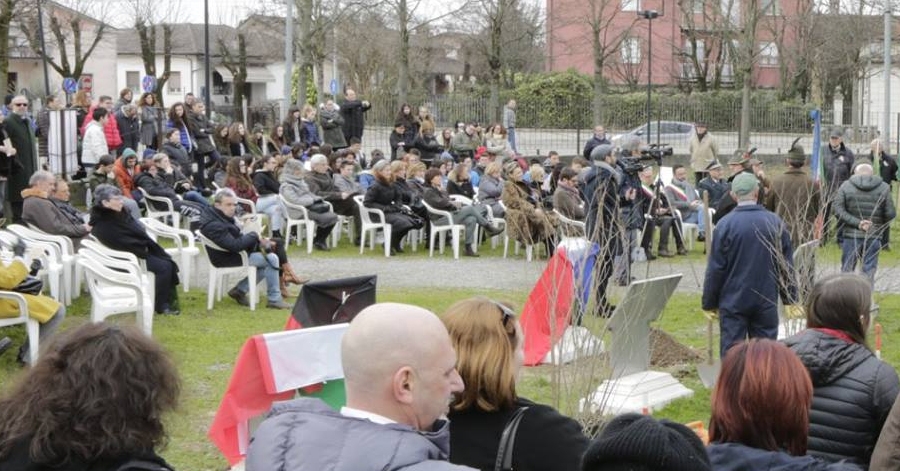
(738, 457)
(750, 263)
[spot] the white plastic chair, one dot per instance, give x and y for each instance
(125, 261)
(185, 249)
(365, 216)
(51, 260)
(71, 277)
(569, 228)
(441, 230)
(32, 326)
(216, 286)
(161, 214)
(261, 216)
(302, 223)
(689, 231)
(116, 292)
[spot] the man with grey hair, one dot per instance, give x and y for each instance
(397, 400)
(864, 208)
(39, 210)
(742, 284)
(217, 224)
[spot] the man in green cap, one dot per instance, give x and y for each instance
(795, 198)
(742, 284)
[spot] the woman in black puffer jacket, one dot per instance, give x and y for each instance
(853, 391)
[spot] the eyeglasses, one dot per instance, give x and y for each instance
(506, 312)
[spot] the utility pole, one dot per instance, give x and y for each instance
(206, 74)
(288, 57)
(886, 119)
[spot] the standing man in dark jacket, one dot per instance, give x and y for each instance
(887, 166)
(750, 265)
(353, 110)
(129, 127)
(794, 197)
(837, 161)
(218, 225)
(600, 191)
(25, 162)
(597, 139)
(205, 155)
(864, 207)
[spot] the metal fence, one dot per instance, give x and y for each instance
(565, 125)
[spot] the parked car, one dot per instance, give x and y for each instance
(670, 132)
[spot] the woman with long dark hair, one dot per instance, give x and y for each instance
(149, 120)
(760, 411)
(490, 353)
(237, 140)
(853, 391)
(178, 120)
(95, 400)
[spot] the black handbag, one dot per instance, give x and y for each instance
(319, 207)
(507, 441)
(30, 285)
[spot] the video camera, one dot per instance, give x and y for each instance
(632, 165)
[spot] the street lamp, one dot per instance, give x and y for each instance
(649, 15)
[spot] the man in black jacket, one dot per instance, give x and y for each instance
(353, 111)
(218, 225)
(597, 139)
(600, 191)
(837, 161)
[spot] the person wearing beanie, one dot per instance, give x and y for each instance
(750, 266)
(125, 169)
(635, 442)
(794, 197)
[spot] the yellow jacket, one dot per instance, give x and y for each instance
(40, 308)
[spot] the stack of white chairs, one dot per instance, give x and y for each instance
(63, 254)
(51, 262)
(118, 284)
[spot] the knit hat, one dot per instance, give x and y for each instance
(837, 132)
(744, 184)
(641, 443)
(128, 152)
(601, 152)
(149, 153)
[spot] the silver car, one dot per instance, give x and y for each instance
(670, 132)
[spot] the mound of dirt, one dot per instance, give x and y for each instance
(665, 351)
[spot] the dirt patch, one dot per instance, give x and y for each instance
(665, 351)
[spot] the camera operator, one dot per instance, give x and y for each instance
(600, 189)
(631, 213)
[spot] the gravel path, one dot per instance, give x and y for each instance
(413, 271)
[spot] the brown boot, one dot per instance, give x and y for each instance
(289, 276)
(284, 289)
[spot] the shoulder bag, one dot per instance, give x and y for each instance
(508, 440)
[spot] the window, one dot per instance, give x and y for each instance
(701, 49)
(768, 54)
(133, 80)
(731, 10)
(174, 82)
(770, 7)
(631, 5)
(698, 6)
(631, 51)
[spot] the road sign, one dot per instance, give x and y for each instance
(149, 84)
(87, 82)
(334, 87)
(70, 85)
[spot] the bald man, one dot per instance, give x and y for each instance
(400, 375)
(864, 208)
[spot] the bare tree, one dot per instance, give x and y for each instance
(237, 66)
(364, 46)
(67, 22)
(6, 15)
(149, 19)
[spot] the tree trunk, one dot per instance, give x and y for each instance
(744, 136)
(304, 12)
(494, 60)
(320, 81)
(6, 7)
(599, 81)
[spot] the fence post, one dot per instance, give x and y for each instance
(577, 140)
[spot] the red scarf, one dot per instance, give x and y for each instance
(836, 333)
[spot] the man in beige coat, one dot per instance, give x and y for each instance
(704, 149)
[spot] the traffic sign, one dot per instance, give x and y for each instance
(149, 84)
(333, 87)
(87, 82)
(70, 85)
